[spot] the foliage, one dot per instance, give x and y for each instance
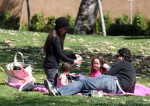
(25, 27)
(147, 31)
(120, 26)
(72, 23)
(50, 24)
(139, 23)
(108, 21)
(37, 22)
(122, 20)
(8, 21)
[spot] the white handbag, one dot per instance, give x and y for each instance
(19, 72)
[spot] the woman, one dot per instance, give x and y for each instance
(54, 49)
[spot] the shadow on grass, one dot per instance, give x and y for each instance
(3, 84)
(136, 37)
(30, 53)
(33, 56)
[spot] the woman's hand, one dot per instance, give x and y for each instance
(78, 57)
(78, 61)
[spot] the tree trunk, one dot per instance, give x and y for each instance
(20, 23)
(86, 18)
(28, 11)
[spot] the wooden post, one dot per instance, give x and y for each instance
(28, 11)
(20, 23)
(102, 18)
(131, 3)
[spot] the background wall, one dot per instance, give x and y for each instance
(119, 7)
(62, 7)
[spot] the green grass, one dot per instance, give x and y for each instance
(30, 44)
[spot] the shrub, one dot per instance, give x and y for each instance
(139, 23)
(121, 26)
(70, 19)
(50, 24)
(98, 26)
(4, 16)
(108, 23)
(25, 27)
(72, 23)
(147, 31)
(122, 20)
(37, 22)
(8, 21)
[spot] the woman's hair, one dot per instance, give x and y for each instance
(49, 38)
(102, 62)
(60, 22)
(48, 41)
(126, 54)
(65, 67)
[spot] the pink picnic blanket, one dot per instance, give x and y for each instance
(39, 89)
(140, 90)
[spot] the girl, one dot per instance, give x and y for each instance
(54, 49)
(62, 78)
(98, 66)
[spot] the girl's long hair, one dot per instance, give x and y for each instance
(102, 62)
(49, 38)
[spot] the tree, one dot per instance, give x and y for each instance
(20, 23)
(86, 18)
(28, 12)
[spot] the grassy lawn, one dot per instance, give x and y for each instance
(30, 44)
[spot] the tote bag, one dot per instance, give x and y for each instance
(19, 72)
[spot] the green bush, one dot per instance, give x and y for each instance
(25, 27)
(147, 31)
(50, 24)
(139, 23)
(72, 23)
(122, 20)
(121, 26)
(8, 21)
(70, 19)
(99, 26)
(37, 22)
(108, 22)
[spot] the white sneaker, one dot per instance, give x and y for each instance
(28, 86)
(95, 93)
(22, 87)
(51, 89)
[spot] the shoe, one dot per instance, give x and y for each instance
(95, 93)
(28, 86)
(51, 89)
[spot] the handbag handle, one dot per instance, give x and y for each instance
(15, 58)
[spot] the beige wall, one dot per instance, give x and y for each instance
(119, 7)
(62, 7)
